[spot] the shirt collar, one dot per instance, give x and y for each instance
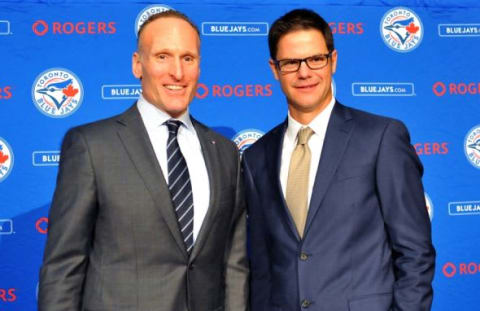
(318, 124)
(155, 117)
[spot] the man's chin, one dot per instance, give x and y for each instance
(176, 112)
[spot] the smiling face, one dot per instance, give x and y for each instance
(308, 91)
(168, 64)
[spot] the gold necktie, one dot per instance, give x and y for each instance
(297, 183)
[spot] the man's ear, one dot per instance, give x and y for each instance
(136, 65)
(333, 58)
(273, 67)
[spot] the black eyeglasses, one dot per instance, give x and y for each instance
(293, 64)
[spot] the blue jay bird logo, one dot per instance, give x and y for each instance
(57, 92)
(475, 145)
(6, 159)
(472, 146)
(3, 157)
(401, 29)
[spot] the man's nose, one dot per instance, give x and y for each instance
(304, 70)
(176, 69)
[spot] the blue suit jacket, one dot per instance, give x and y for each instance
(367, 242)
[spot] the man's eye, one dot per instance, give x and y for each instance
(291, 62)
(317, 59)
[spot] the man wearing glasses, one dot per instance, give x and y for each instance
(337, 217)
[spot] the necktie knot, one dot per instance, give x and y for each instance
(304, 135)
(173, 126)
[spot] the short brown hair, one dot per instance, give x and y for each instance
(299, 19)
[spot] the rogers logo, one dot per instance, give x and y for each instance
(239, 90)
(450, 269)
(8, 295)
(431, 148)
(5, 92)
(439, 88)
(41, 28)
(346, 28)
(42, 225)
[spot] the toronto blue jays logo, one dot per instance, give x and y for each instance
(147, 12)
(246, 138)
(475, 145)
(401, 29)
(6, 159)
(57, 92)
(472, 146)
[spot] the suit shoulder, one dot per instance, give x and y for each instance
(102, 130)
(95, 126)
(369, 116)
(373, 127)
(261, 145)
(372, 120)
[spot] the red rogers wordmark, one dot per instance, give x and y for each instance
(5, 92)
(431, 148)
(41, 28)
(345, 28)
(42, 225)
(450, 269)
(7, 295)
(456, 88)
(239, 90)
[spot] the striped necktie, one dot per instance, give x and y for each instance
(179, 184)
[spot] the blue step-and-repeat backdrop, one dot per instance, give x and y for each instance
(65, 63)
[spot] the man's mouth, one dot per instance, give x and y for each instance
(174, 87)
(306, 86)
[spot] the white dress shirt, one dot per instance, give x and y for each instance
(154, 120)
(319, 126)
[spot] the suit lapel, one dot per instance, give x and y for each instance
(135, 139)
(337, 136)
(273, 155)
(210, 156)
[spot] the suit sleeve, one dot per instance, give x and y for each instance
(237, 272)
(70, 229)
(402, 199)
(259, 255)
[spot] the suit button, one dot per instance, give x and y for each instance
(303, 256)
(191, 266)
(306, 303)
